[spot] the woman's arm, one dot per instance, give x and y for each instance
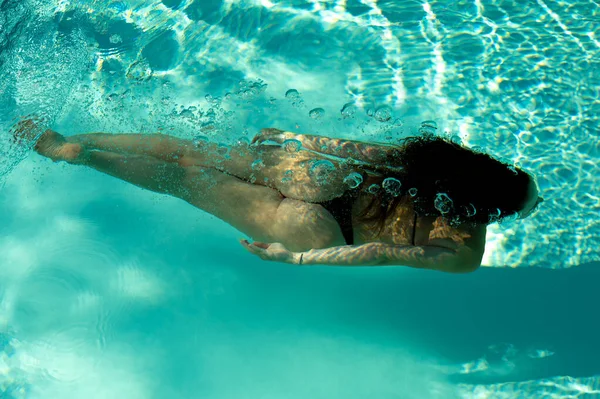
(444, 259)
(460, 260)
(375, 153)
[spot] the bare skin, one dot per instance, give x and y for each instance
(283, 216)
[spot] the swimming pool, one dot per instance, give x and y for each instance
(111, 291)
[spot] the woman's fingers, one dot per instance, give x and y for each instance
(249, 247)
(249, 244)
(253, 248)
(273, 252)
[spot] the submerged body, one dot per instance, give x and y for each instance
(278, 198)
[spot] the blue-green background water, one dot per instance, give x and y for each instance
(111, 291)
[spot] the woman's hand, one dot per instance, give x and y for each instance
(272, 252)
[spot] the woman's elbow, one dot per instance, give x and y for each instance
(467, 261)
(466, 267)
(461, 260)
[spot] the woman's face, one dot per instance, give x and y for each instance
(532, 201)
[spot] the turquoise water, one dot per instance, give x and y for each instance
(111, 291)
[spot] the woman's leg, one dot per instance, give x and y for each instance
(235, 160)
(291, 173)
(143, 171)
(257, 211)
(160, 146)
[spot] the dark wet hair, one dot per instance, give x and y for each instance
(442, 178)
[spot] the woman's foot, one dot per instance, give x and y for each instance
(54, 146)
(50, 144)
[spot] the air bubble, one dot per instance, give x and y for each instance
(374, 188)
(495, 215)
(456, 139)
(392, 186)
(292, 94)
(471, 211)
(321, 170)
(292, 145)
(443, 203)
(294, 97)
(383, 114)
(348, 110)
(186, 113)
(412, 192)
(247, 94)
(428, 127)
(316, 113)
(251, 89)
(139, 70)
(244, 141)
(509, 219)
(115, 39)
(353, 180)
(257, 165)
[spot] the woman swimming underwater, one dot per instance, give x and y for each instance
(424, 203)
